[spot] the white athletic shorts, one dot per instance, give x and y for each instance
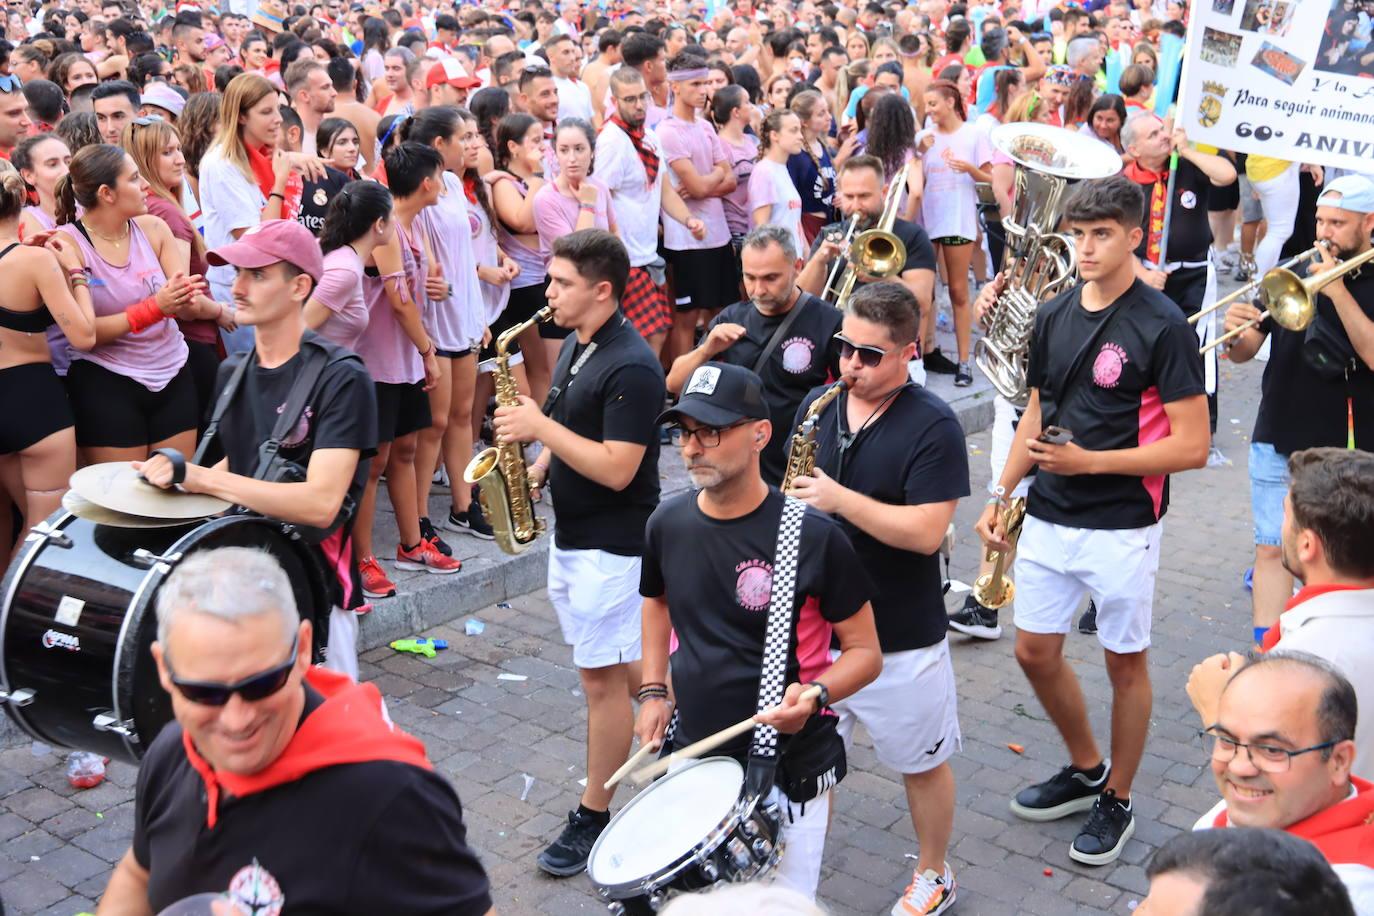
(596, 595)
(1056, 565)
(911, 711)
(342, 655)
(1003, 434)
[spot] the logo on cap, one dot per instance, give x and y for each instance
(704, 381)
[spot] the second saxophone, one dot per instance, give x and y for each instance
(801, 451)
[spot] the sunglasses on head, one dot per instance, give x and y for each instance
(251, 689)
(869, 356)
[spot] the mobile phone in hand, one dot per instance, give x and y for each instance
(1055, 435)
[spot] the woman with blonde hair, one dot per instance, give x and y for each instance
(247, 177)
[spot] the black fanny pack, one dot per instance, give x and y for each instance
(813, 762)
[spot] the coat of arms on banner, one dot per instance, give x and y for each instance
(1213, 98)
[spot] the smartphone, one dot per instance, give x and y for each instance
(1056, 435)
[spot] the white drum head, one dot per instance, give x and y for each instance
(665, 821)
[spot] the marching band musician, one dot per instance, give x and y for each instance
(791, 331)
(708, 577)
(891, 466)
(1116, 405)
(1318, 388)
(600, 459)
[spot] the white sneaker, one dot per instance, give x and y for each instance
(916, 370)
(927, 894)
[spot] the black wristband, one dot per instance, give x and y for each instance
(823, 700)
(178, 463)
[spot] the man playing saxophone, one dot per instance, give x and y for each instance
(600, 459)
(891, 465)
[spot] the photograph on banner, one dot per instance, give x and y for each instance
(1220, 48)
(1272, 17)
(1346, 42)
(1223, 7)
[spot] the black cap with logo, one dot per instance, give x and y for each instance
(719, 394)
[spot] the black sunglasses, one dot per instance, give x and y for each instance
(252, 689)
(869, 356)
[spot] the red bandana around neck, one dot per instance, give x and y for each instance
(648, 157)
(1159, 182)
(260, 160)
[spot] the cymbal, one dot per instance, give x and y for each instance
(83, 508)
(116, 485)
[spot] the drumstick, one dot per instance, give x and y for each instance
(692, 751)
(630, 764)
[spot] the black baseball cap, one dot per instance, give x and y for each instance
(718, 395)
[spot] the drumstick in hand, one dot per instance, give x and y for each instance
(710, 743)
(630, 764)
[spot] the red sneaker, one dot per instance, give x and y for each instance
(375, 582)
(426, 556)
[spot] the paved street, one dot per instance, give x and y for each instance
(513, 748)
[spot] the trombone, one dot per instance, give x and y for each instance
(1291, 300)
(1249, 288)
(875, 253)
(844, 244)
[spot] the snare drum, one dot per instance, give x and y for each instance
(691, 830)
(78, 619)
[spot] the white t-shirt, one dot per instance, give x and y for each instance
(771, 185)
(949, 206)
(574, 99)
(457, 322)
(228, 201)
(635, 202)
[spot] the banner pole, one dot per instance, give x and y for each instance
(1175, 123)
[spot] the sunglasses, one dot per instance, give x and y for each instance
(869, 356)
(251, 689)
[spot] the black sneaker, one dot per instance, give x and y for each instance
(975, 620)
(568, 854)
(1088, 622)
(473, 522)
(1066, 792)
(963, 375)
(939, 363)
(427, 533)
(1106, 832)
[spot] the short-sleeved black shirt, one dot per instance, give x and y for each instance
(1190, 235)
(920, 254)
(717, 577)
(911, 455)
(615, 397)
(1302, 408)
(360, 838)
(807, 357)
(315, 198)
(1146, 359)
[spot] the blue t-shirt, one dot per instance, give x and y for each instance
(815, 181)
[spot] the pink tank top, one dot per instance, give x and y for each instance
(390, 355)
(155, 355)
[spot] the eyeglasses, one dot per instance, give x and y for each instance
(252, 689)
(706, 436)
(1267, 758)
(869, 356)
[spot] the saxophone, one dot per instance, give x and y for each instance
(500, 472)
(801, 451)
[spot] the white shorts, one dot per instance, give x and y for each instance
(1056, 565)
(911, 711)
(596, 596)
(803, 836)
(342, 655)
(1003, 434)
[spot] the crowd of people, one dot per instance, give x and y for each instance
(223, 220)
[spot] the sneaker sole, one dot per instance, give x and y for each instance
(565, 872)
(370, 594)
(410, 564)
(1105, 858)
(1043, 815)
(900, 909)
(977, 632)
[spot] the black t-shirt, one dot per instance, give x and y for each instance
(1147, 358)
(1190, 235)
(808, 356)
(615, 396)
(359, 838)
(717, 576)
(913, 454)
(920, 254)
(1302, 408)
(315, 198)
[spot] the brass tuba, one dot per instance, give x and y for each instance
(874, 254)
(502, 478)
(801, 451)
(1039, 262)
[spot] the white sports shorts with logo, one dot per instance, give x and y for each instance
(596, 596)
(1057, 565)
(911, 711)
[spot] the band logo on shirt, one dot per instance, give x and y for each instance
(301, 431)
(754, 585)
(1110, 363)
(256, 892)
(796, 354)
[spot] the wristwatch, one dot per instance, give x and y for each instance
(823, 700)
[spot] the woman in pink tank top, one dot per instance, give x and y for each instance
(132, 393)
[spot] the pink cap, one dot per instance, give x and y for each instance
(270, 242)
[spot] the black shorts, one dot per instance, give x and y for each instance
(452, 354)
(203, 359)
(1221, 199)
(521, 306)
(45, 409)
(401, 410)
(704, 278)
(114, 411)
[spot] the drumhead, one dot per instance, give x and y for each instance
(665, 821)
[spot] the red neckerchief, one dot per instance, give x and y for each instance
(470, 188)
(1159, 182)
(1344, 832)
(648, 157)
(1307, 592)
(261, 162)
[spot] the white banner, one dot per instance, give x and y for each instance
(1292, 79)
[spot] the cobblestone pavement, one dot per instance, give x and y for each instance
(487, 734)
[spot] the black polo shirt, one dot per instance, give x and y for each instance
(1145, 359)
(615, 396)
(359, 838)
(1301, 407)
(717, 577)
(808, 356)
(912, 454)
(920, 254)
(1190, 234)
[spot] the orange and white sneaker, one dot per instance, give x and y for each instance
(427, 556)
(927, 894)
(375, 582)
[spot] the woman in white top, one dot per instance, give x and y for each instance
(773, 198)
(954, 156)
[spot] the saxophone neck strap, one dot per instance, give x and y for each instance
(566, 374)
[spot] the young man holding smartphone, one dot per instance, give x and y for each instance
(1113, 361)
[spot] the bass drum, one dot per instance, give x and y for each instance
(78, 620)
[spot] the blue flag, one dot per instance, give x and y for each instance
(1170, 66)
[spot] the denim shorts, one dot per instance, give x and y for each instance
(1268, 486)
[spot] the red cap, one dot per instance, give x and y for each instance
(449, 71)
(270, 242)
